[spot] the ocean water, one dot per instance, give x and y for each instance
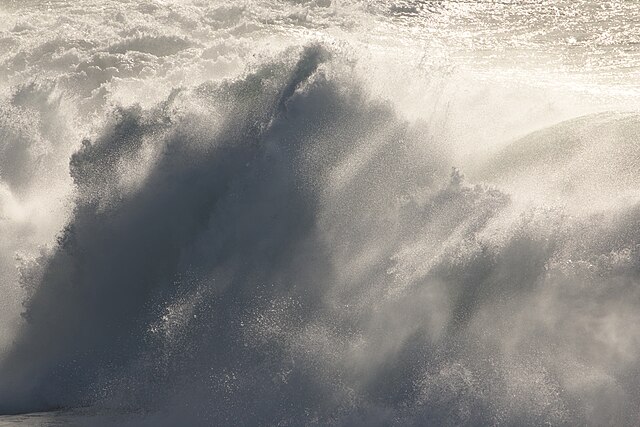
(324, 212)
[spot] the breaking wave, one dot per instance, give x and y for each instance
(285, 247)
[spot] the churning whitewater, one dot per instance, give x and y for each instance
(319, 212)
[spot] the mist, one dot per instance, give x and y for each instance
(318, 213)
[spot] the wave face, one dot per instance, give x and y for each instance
(205, 223)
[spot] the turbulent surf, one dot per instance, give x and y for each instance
(319, 213)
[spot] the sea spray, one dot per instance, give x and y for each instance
(241, 228)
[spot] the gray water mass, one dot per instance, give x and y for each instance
(319, 212)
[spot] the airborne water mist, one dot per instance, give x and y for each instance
(319, 213)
